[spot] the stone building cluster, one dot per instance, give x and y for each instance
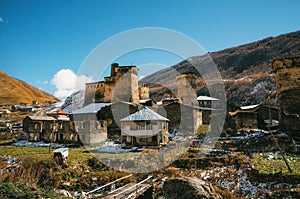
(119, 108)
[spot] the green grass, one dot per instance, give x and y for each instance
(267, 165)
(76, 155)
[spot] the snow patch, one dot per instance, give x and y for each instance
(111, 147)
(36, 144)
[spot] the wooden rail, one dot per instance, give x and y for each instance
(98, 188)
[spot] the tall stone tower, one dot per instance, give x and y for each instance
(187, 93)
(287, 77)
(125, 87)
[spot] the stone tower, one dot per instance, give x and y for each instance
(126, 86)
(187, 93)
(121, 85)
(287, 78)
(144, 91)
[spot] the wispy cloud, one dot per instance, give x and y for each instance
(45, 82)
(2, 20)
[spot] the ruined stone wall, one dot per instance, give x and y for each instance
(287, 77)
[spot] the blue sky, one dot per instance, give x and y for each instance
(39, 38)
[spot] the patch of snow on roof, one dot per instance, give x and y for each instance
(144, 101)
(206, 98)
(249, 107)
(159, 102)
(91, 108)
(145, 114)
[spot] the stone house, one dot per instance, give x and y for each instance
(4, 113)
(50, 129)
(89, 128)
(113, 113)
(206, 101)
(39, 128)
(144, 128)
(64, 128)
(254, 117)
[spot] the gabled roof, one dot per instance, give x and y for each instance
(42, 118)
(91, 108)
(206, 98)
(145, 114)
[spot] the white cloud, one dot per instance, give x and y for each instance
(45, 82)
(66, 82)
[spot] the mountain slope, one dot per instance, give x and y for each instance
(14, 91)
(245, 69)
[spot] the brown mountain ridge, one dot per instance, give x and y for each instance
(246, 70)
(15, 91)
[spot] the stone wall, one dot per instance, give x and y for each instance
(287, 77)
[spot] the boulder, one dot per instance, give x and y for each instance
(189, 188)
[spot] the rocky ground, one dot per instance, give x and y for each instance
(241, 166)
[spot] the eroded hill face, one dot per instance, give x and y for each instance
(15, 91)
(245, 70)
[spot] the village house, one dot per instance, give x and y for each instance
(55, 128)
(255, 117)
(39, 128)
(4, 113)
(206, 101)
(145, 128)
(89, 128)
(113, 113)
(64, 128)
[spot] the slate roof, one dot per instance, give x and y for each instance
(206, 98)
(91, 108)
(145, 114)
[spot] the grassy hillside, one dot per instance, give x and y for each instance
(14, 91)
